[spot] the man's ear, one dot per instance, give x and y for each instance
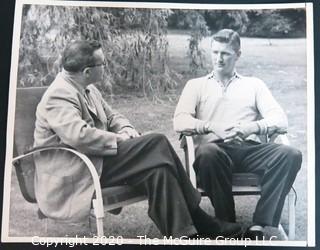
(86, 72)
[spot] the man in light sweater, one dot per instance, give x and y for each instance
(226, 112)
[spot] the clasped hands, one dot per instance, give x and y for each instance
(126, 133)
(236, 133)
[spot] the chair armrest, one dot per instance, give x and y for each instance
(98, 202)
(189, 150)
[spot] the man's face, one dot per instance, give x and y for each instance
(224, 58)
(96, 72)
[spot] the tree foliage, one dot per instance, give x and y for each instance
(199, 30)
(232, 19)
(194, 21)
(259, 23)
(134, 42)
(269, 23)
(134, 39)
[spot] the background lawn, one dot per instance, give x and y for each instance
(282, 66)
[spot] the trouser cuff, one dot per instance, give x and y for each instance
(265, 222)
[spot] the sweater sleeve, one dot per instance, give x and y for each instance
(273, 116)
(185, 120)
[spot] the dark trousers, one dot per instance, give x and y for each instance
(149, 162)
(276, 164)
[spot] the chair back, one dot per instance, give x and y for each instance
(27, 100)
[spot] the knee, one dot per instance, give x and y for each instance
(290, 152)
(293, 156)
(205, 157)
(207, 151)
(157, 138)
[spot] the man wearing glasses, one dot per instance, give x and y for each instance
(72, 112)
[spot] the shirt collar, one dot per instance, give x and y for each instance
(235, 76)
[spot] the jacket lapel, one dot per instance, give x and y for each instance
(95, 109)
(90, 104)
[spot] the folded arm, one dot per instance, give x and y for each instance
(272, 117)
(185, 119)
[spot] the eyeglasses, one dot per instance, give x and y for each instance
(104, 63)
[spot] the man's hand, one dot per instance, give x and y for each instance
(276, 130)
(130, 132)
(122, 137)
(242, 131)
(219, 129)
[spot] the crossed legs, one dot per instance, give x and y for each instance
(150, 163)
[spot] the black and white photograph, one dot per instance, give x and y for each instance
(160, 123)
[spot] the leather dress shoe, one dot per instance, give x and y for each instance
(213, 227)
(229, 229)
(209, 226)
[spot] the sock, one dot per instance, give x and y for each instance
(256, 228)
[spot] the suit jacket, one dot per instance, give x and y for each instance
(65, 117)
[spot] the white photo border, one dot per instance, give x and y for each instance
(310, 106)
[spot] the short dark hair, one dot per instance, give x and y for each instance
(79, 54)
(228, 36)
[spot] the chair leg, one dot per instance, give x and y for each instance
(100, 227)
(292, 218)
(99, 213)
(292, 214)
(46, 222)
(90, 226)
(282, 232)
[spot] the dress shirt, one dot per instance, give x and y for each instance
(241, 100)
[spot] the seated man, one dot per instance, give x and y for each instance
(226, 112)
(73, 113)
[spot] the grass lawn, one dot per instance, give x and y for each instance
(282, 66)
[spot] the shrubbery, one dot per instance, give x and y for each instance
(255, 23)
(134, 40)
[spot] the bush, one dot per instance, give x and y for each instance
(134, 42)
